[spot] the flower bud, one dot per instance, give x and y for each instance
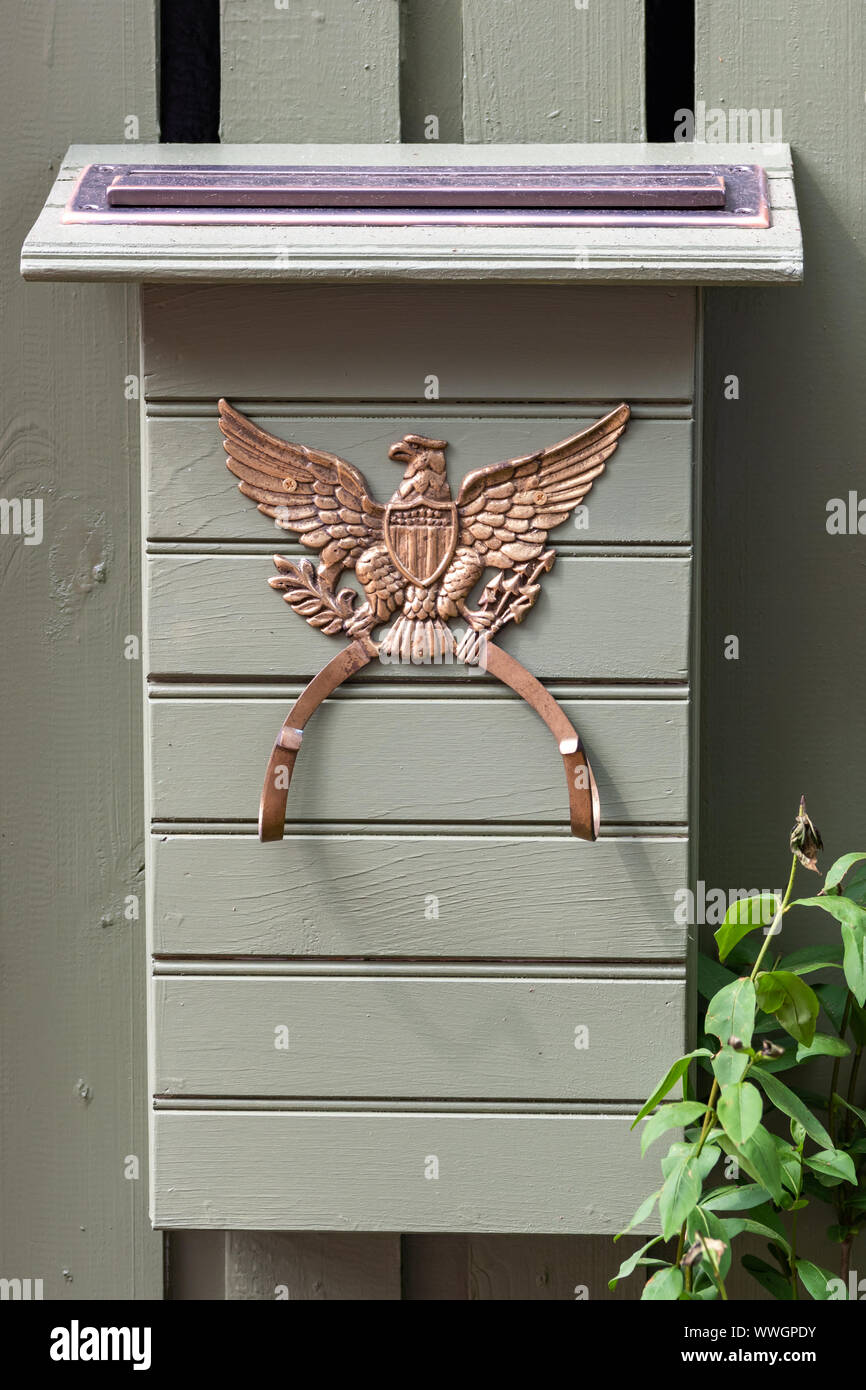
(805, 839)
(771, 1049)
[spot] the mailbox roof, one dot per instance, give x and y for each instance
(196, 252)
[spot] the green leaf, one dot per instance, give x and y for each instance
(794, 1004)
(672, 1116)
(680, 1193)
(757, 1228)
(837, 871)
(834, 999)
(641, 1215)
(823, 1045)
(706, 1224)
(855, 888)
(712, 977)
(731, 1012)
(769, 1216)
(732, 1198)
(677, 1071)
(760, 1158)
(843, 909)
(833, 1163)
(815, 1280)
(825, 957)
(853, 920)
(742, 917)
(854, 960)
(665, 1284)
(769, 1278)
(728, 1066)
(855, 1110)
(739, 1110)
(791, 1105)
(630, 1265)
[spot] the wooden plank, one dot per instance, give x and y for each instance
(553, 72)
(74, 1210)
(547, 1269)
(422, 1038)
(645, 496)
(431, 70)
(524, 1268)
(484, 761)
(301, 73)
(808, 453)
(365, 1171)
(611, 255)
(196, 1266)
(359, 895)
(352, 343)
(214, 615)
(312, 1267)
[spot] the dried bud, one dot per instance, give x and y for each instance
(771, 1049)
(692, 1255)
(714, 1247)
(735, 1044)
(806, 841)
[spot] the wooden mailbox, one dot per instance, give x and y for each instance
(428, 1007)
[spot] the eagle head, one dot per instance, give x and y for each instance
(425, 465)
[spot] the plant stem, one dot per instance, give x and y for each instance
(783, 908)
(845, 1257)
(852, 1090)
(792, 1259)
(834, 1077)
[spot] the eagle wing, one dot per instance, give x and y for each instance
(506, 510)
(318, 495)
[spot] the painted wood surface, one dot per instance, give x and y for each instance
(314, 1267)
(493, 1268)
(431, 71)
(361, 343)
(302, 73)
(513, 1037)
(191, 253)
(537, 71)
(376, 894)
(365, 1170)
(599, 618)
(485, 761)
(773, 471)
(645, 496)
(73, 991)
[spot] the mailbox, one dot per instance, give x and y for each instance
(460, 389)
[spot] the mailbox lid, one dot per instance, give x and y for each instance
(715, 253)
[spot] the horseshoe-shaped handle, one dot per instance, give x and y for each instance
(583, 803)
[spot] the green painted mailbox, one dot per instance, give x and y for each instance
(428, 1006)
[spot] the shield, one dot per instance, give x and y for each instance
(421, 537)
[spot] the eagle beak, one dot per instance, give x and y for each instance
(400, 453)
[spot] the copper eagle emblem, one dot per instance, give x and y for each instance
(418, 559)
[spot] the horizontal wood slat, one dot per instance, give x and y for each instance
(425, 760)
(357, 342)
(597, 618)
(643, 496)
(427, 896)
(366, 1171)
(382, 1036)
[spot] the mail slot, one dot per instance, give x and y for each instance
(421, 523)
